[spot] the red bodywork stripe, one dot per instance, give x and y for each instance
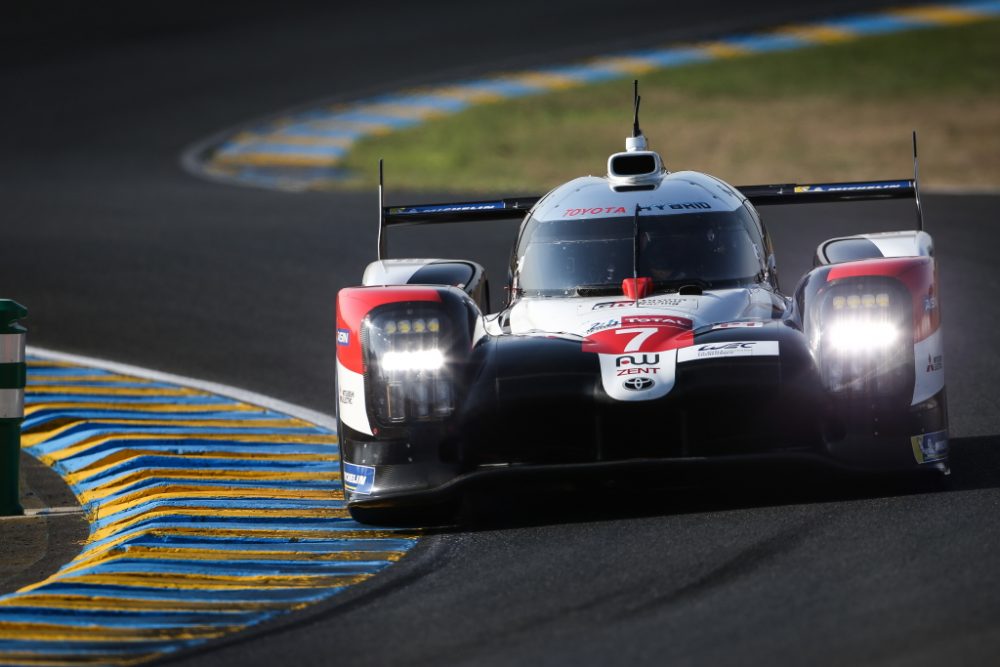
(918, 274)
(353, 303)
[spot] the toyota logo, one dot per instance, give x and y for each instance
(637, 384)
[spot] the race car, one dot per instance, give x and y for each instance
(643, 327)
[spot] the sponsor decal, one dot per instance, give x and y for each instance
(737, 325)
(930, 303)
(656, 321)
(934, 363)
(637, 360)
(670, 302)
(343, 336)
(637, 370)
(928, 355)
(662, 301)
(347, 397)
(752, 348)
(930, 447)
(638, 376)
(854, 187)
(637, 364)
(638, 384)
(359, 479)
(695, 205)
(640, 333)
(601, 326)
(599, 210)
(447, 208)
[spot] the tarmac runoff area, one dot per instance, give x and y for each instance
(210, 510)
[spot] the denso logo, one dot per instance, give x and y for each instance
(657, 320)
(599, 210)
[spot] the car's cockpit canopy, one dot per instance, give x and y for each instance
(590, 257)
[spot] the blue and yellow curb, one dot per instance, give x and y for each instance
(208, 515)
(303, 150)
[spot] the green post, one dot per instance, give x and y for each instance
(13, 374)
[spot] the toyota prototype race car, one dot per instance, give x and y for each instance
(643, 327)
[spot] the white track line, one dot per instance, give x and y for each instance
(318, 418)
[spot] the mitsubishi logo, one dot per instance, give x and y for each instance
(637, 384)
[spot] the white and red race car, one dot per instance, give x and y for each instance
(643, 328)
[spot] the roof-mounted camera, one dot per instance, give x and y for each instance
(636, 165)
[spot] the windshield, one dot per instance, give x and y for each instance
(589, 257)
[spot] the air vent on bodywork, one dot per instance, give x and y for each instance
(634, 167)
(632, 188)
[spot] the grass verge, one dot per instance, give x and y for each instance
(835, 112)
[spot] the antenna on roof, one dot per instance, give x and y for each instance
(916, 185)
(635, 119)
(637, 142)
(383, 242)
(635, 250)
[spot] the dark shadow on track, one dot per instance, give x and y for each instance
(975, 464)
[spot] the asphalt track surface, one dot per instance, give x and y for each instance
(120, 254)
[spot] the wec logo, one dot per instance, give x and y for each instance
(725, 346)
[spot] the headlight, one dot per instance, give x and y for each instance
(406, 350)
(413, 360)
(861, 336)
(865, 338)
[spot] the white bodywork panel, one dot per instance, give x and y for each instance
(394, 271)
(677, 193)
(351, 399)
(928, 366)
(658, 369)
(903, 244)
(906, 243)
(581, 316)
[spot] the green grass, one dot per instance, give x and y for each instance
(841, 111)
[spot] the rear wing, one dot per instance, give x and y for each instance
(759, 195)
(515, 208)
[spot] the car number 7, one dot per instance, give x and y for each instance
(640, 336)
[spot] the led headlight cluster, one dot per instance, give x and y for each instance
(407, 362)
(865, 339)
(861, 323)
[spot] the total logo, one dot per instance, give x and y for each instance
(657, 321)
(638, 383)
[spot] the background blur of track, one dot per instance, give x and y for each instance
(120, 254)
